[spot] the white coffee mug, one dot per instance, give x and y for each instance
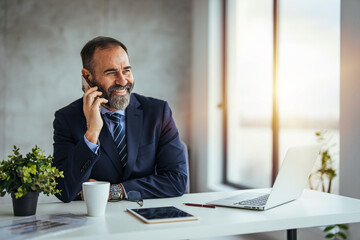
(96, 195)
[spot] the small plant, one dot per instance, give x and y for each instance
(34, 172)
(336, 232)
(325, 173)
(324, 177)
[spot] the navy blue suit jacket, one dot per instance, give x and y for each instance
(156, 160)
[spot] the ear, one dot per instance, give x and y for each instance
(87, 75)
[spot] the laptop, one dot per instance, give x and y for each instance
(288, 186)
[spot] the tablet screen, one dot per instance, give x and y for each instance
(162, 214)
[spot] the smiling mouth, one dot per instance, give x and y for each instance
(120, 92)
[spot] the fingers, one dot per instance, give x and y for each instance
(89, 90)
(91, 98)
(92, 108)
(81, 194)
(90, 95)
(99, 101)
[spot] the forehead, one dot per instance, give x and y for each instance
(110, 57)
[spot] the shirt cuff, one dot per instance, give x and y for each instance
(93, 147)
(124, 191)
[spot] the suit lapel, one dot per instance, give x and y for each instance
(134, 119)
(108, 145)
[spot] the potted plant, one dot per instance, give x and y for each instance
(323, 178)
(24, 177)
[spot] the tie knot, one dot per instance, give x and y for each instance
(115, 117)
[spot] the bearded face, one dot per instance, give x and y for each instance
(115, 101)
(111, 72)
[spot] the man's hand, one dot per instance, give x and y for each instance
(91, 108)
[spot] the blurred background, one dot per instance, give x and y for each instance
(41, 64)
(245, 79)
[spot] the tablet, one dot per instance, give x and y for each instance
(161, 214)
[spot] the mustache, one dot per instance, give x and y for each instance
(128, 87)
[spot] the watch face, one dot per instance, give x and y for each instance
(115, 196)
(115, 192)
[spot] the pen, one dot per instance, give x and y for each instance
(199, 205)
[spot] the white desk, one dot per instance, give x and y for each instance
(312, 209)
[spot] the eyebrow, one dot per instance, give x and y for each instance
(114, 69)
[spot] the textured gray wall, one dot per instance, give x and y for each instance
(40, 63)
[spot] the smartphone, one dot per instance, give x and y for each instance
(84, 83)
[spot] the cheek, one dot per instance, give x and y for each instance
(131, 80)
(106, 83)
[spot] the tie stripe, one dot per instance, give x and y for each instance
(119, 137)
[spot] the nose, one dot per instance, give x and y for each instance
(120, 79)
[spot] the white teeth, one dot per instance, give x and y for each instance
(121, 92)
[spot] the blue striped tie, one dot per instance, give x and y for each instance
(119, 137)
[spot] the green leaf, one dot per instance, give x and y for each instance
(19, 193)
(343, 226)
(330, 235)
(31, 172)
(342, 235)
(328, 228)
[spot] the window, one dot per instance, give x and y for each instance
(306, 83)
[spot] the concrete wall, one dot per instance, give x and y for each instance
(40, 64)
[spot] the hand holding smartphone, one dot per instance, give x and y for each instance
(92, 108)
(85, 84)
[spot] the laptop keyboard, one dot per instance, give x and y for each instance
(259, 201)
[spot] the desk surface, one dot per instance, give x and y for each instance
(310, 210)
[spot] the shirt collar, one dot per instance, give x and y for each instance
(104, 110)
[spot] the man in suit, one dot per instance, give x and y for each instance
(117, 136)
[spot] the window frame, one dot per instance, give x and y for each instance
(275, 117)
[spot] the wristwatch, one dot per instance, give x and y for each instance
(116, 192)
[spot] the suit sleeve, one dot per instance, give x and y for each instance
(72, 156)
(170, 177)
